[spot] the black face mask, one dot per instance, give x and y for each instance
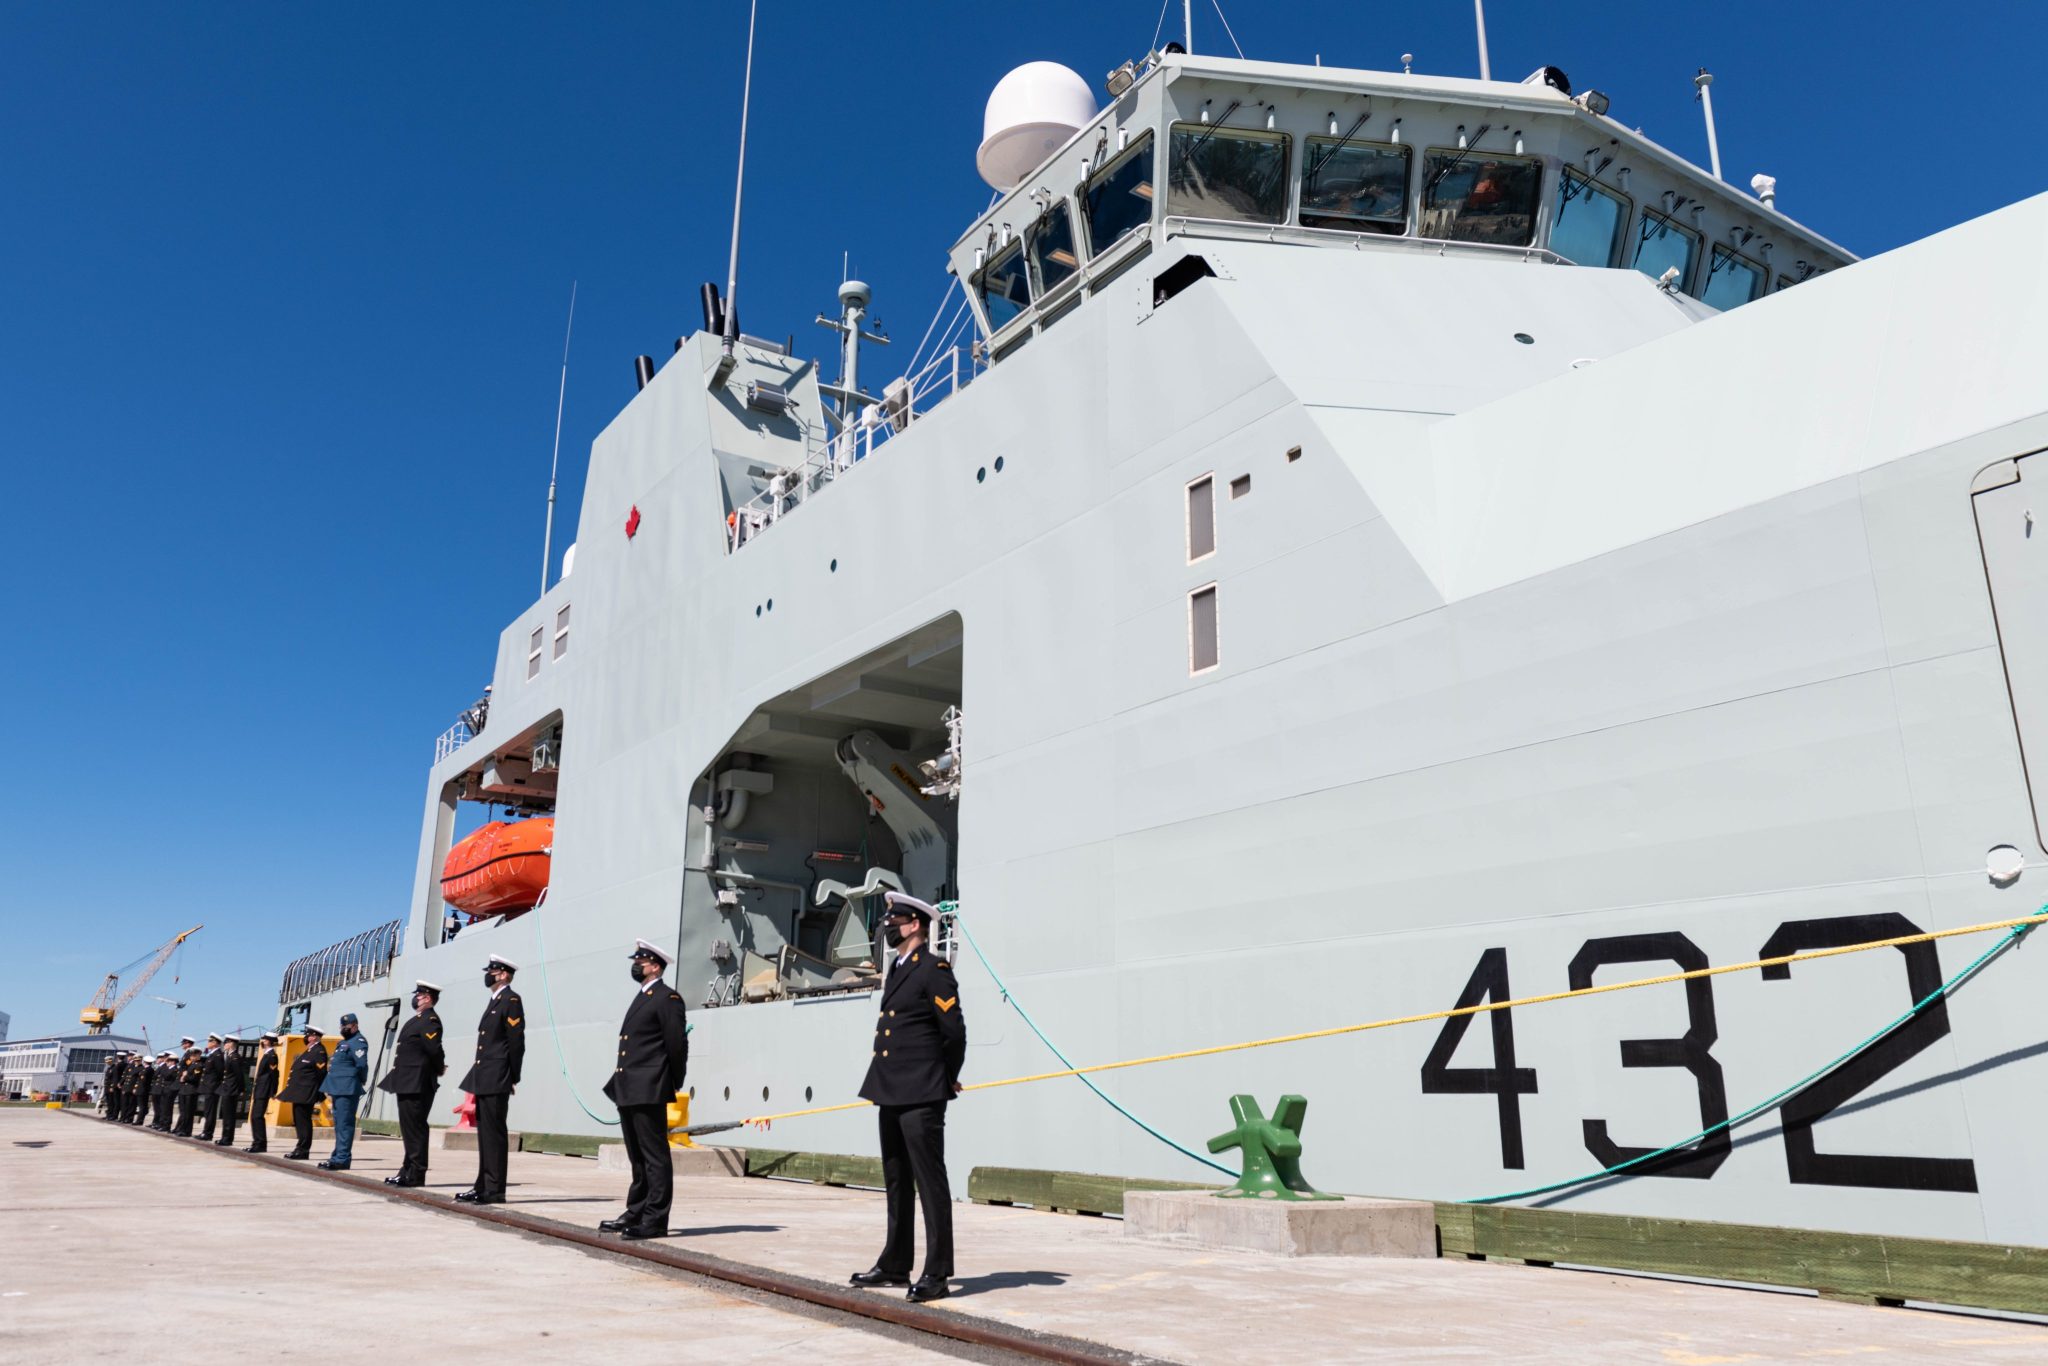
(488, 983)
(633, 971)
(894, 934)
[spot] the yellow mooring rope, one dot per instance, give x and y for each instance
(1805, 956)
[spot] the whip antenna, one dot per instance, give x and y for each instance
(732, 269)
(547, 540)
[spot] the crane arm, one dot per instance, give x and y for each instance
(98, 1016)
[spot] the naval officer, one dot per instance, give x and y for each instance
(265, 1092)
(164, 1091)
(141, 1082)
(229, 1091)
(348, 1076)
(654, 1052)
(302, 1092)
(492, 1077)
(188, 1086)
(920, 1044)
(415, 1075)
(110, 1085)
(209, 1087)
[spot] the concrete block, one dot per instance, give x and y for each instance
(1284, 1228)
(688, 1162)
(464, 1140)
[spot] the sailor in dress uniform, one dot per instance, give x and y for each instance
(415, 1076)
(654, 1052)
(500, 1052)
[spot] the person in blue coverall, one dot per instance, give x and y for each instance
(348, 1075)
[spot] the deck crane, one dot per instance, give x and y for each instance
(98, 1017)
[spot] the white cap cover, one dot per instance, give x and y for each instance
(641, 946)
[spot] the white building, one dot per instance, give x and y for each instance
(3, 1026)
(58, 1064)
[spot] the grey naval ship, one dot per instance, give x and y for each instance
(1390, 542)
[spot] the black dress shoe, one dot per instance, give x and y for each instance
(255, 1150)
(929, 1288)
(875, 1276)
(222, 1143)
(614, 1225)
(296, 1156)
(639, 1231)
(334, 1166)
(468, 1197)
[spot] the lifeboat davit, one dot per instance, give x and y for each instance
(501, 867)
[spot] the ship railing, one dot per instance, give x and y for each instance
(452, 739)
(361, 958)
(904, 401)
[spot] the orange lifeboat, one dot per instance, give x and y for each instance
(502, 867)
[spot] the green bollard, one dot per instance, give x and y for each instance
(1272, 1151)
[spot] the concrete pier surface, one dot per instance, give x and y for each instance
(115, 1234)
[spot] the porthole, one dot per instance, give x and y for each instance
(757, 609)
(834, 568)
(1525, 339)
(771, 604)
(807, 1095)
(981, 474)
(999, 464)
(693, 1093)
(728, 1093)
(764, 1093)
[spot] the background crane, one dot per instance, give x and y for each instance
(98, 1017)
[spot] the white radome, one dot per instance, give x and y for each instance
(1031, 112)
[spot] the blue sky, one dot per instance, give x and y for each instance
(281, 305)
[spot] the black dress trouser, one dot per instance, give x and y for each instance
(302, 1127)
(230, 1113)
(183, 1128)
(163, 1105)
(209, 1111)
(491, 1143)
(652, 1192)
(412, 1130)
(914, 1173)
(259, 1132)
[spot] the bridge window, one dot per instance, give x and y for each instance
(1051, 243)
(1118, 200)
(1590, 221)
(1002, 287)
(1355, 186)
(562, 631)
(1662, 243)
(1732, 279)
(533, 653)
(1470, 196)
(1228, 173)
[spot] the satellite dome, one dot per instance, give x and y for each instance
(1031, 112)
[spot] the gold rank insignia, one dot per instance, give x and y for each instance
(945, 1003)
(433, 1035)
(514, 1020)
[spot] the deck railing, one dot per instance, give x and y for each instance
(903, 403)
(361, 959)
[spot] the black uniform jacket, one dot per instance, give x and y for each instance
(266, 1078)
(117, 1072)
(230, 1077)
(166, 1079)
(309, 1069)
(211, 1065)
(921, 1036)
(188, 1074)
(654, 1049)
(419, 1061)
(138, 1082)
(500, 1047)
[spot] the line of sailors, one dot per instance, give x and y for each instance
(920, 1045)
(176, 1090)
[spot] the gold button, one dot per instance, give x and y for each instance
(892, 1014)
(885, 1052)
(888, 1031)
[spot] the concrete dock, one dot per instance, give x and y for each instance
(117, 1234)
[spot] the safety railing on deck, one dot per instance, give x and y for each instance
(452, 739)
(366, 956)
(903, 402)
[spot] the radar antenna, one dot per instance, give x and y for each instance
(732, 269)
(547, 540)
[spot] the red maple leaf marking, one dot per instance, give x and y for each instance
(632, 521)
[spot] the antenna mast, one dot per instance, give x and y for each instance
(732, 270)
(1479, 17)
(1701, 82)
(547, 540)
(1187, 20)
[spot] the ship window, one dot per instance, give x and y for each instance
(1228, 173)
(1002, 288)
(1202, 646)
(1118, 200)
(1201, 518)
(562, 631)
(1472, 196)
(533, 654)
(1589, 223)
(1732, 279)
(1355, 186)
(1051, 244)
(1662, 243)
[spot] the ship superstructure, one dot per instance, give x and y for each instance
(1396, 541)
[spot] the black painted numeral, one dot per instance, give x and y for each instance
(1923, 976)
(1504, 1080)
(1692, 1052)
